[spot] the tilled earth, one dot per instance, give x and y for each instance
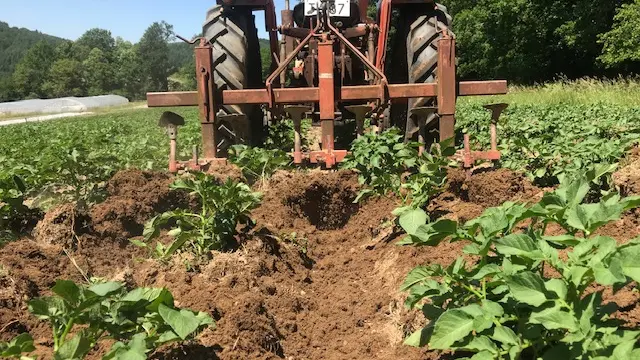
(329, 292)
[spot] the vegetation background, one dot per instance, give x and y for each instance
(525, 41)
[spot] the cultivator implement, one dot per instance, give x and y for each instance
(338, 71)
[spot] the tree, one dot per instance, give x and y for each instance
(530, 40)
(153, 51)
(622, 42)
(65, 79)
(100, 39)
(128, 75)
(98, 73)
(31, 72)
(7, 90)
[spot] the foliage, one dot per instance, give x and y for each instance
(103, 143)
(14, 43)
(380, 160)
(622, 42)
(153, 51)
(521, 298)
(214, 228)
(258, 163)
(281, 135)
(14, 349)
(65, 79)
(95, 64)
(429, 175)
(548, 142)
(98, 39)
(139, 320)
(530, 41)
(31, 72)
(387, 164)
(12, 208)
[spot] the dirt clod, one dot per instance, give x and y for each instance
(62, 226)
(134, 197)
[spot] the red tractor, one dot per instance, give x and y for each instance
(330, 62)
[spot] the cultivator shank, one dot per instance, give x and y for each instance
(332, 51)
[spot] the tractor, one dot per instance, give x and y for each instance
(332, 63)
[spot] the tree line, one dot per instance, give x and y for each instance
(98, 64)
(529, 41)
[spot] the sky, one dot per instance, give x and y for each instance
(128, 19)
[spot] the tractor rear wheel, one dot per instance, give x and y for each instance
(237, 65)
(420, 54)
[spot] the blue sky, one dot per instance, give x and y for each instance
(125, 18)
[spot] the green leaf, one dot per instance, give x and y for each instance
(516, 244)
(554, 318)
(411, 220)
(452, 326)
(577, 273)
(481, 343)
(628, 256)
(492, 308)
(183, 322)
(419, 338)
(623, 350)
(67, 290)
(505, 335)
(566, 240)
(558, 287)
(578, 217)
(486, 270)
(528, 288)
(75, 348)
(105, 288)
(609, 275)
(483, 355)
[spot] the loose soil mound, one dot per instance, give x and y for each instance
(134, 197)
(628, 177)
(317, 278)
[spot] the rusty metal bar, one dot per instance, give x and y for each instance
(206, 97)
(311, 94)
(447, 85)
(327, 98)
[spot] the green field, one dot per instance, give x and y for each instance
(552, 133)
(548, 130)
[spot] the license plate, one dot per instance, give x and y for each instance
(336, 8)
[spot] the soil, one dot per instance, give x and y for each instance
(627, 179)
(316, 278)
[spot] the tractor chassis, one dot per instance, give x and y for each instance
(328, 92)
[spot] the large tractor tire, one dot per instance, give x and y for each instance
(420, 37)
(237, 65)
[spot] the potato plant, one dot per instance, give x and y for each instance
(386, 164)
(547, 142)
(139, 320)
(258, 164)
(17, 348)
(223, 207)
(12, 208)
(521, 298)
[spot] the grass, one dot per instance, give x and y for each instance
(621, 92)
